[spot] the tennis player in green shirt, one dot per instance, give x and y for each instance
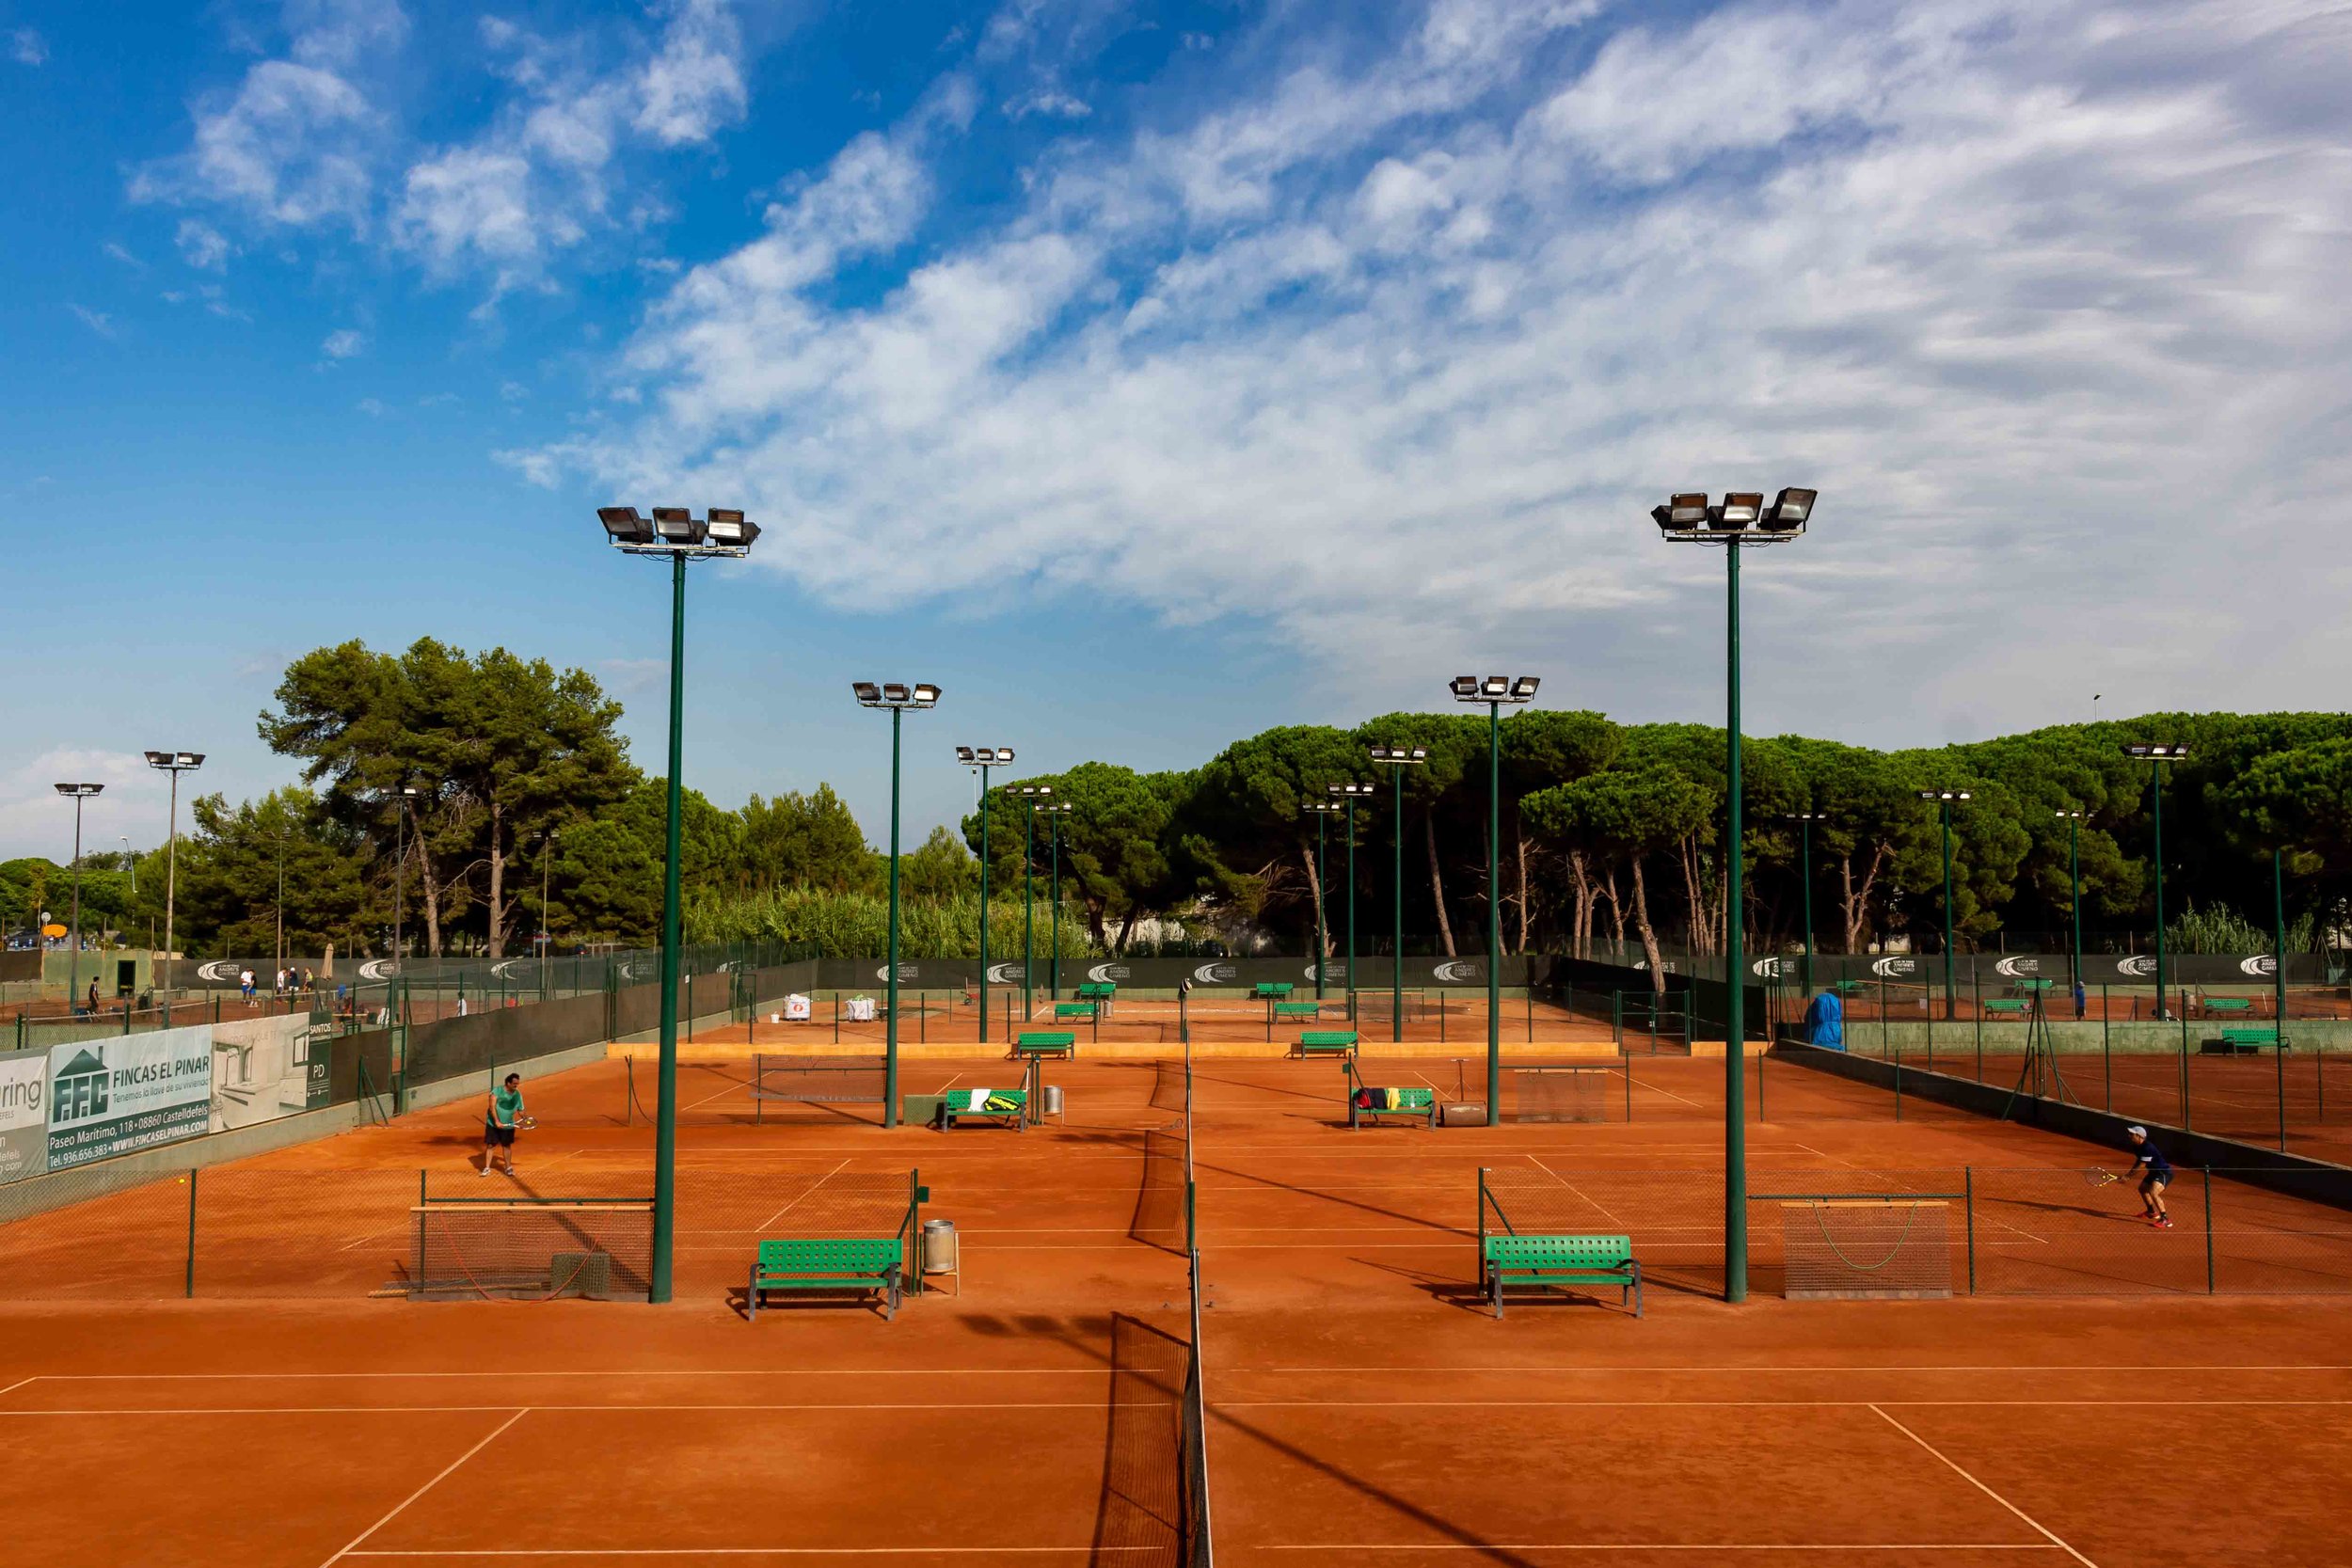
(499, 1124)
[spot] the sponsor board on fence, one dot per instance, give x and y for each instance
(23, 1113)
(126, 1092)
(267, 1068)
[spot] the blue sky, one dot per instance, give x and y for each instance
(1148, 374)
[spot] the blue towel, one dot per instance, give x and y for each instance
(1826, 1021)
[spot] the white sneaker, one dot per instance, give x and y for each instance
(483, 1171)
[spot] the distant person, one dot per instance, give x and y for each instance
(499, 1123)
(244, 984)
(310, 978)
(2155, 1175)
(93, 996)
(2082, 1000)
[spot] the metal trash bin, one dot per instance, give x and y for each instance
(938, 1251)
(1049, 1101)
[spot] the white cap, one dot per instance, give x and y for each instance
(2136, 1132)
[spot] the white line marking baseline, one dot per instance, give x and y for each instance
(447, 1471)
(2029, 1519)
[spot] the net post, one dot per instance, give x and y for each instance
(1968, 1201)
(2209, 1276)
(2107, 1054)
(2186, 1113)
(1482, 1211)
(189, 1287)
(417, 1291)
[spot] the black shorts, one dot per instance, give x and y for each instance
(493, 1132)
(2149, 1179)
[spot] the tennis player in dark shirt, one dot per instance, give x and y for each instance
(2155, 1173)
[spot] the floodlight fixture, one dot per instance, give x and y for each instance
(984, 757)
(2156, 753)
(1945, 795)
(1740, 518)
(676, 525)
(176, 762)
(893, 691)
(674, 530)
(1740, 509)
(624, 526)
(1789, 511)
(728, 527)
(1035, 789)
(1495, 688)
(868, 694)
(1346, 791)
(2075, 815)
(1325, 808)
(80, 791)
(1401, 756)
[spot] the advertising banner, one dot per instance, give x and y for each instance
(108, 1097)
(23, 1113)
(263, 1067)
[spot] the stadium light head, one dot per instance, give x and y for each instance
(1741, 509)
(624, 526)
(1790, 511)
(2064, 815)
(868, 695)
(675, 525)
(983, 756)
(1352, 790)
(1466, 688)
(926, 694)
(1523, 688)
(1037, 789)
(2156, 753)
(965, 755)
(1495, 688)
(1684, 512)
(1325, 808)
(1945, 795)
(728, 529)
(895, 691)
(80, 791)
(175, 762)
(1401, 756)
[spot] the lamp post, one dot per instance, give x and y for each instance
(1742, 521)
(77, 793)
(980, 759)
(403, 806)
(1396, 759)
(1944, 798)
(1321, 811)
(1494, 690)
(1348, 795)
(130, 862)
(675, 533)
(1053, 812)
(2073, 820)
(1805, 820)
(2156, 758)
(1034, 797)
(896, 698)
(281, 892)
(175, 764)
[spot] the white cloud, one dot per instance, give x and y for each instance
(344, 344)
(1052, 103)
(1418, 342)
(122, 255)
(97, 320)
(201, 245)
(34, 820)
(27, 47)
(693, 85)
(372, 407)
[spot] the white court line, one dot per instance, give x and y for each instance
(1719, 1405)
(1577, 1190)
(1558, 1370)
(19, 1383)
(1981, 1486)
(744, 1551)
(428, 1486)
(543, 1409)
(788, 1208)
(958, 1371)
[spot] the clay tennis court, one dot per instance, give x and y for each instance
(1362, 1401)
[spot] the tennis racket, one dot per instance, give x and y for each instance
(531, 1123)
(2100, 1178)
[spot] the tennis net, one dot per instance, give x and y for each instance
(1199, 1552)
(818, 1079)
(531, 1248)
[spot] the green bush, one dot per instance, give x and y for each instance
(857, 924)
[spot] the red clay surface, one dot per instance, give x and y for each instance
(1363, 1404)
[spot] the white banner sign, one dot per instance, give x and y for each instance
(23, 1113)
(110, 1095)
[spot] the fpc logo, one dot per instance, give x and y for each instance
(80, 1092)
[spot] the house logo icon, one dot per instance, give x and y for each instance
(80, 1091)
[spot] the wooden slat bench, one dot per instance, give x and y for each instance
(845, 1264)
(1558, 1262)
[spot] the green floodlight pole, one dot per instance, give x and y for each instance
(2073, 820)
(1805, 820)
(1741, 520)
(1054, 814)
(175, 764)
(1943, 798)
(1349, 794)
(896, 697)
(1494, 690)
(980, 759)
(77, 793)
(1321, 811)
(1396, 759)
(675, 532)
(1030, 795)
(2156, 758)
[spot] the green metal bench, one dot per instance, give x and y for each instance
(1851, 988)
(2011, 1007)
(2239, 1005)
(1272, 990)
(1297, 1009)
(2242, 1042)
(1419, 1105)
(998, 1105)
(1557, 1262)
(1045, 1042)
(1326, 1042)
(1074, 1009)
(1099, 992)
(844, 1263)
